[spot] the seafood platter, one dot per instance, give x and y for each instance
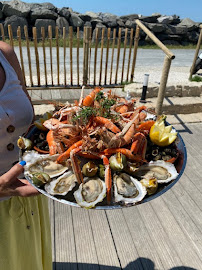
(102, 152)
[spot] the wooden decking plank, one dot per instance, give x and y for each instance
(192, 231)
(104, 244)
(125, 247)
(186, 251)
(141, 238)
(85, 245)
(52, 222)
(64, 237)
(162, 244)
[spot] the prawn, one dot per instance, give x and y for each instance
(107, 123)
(64, 156)
(88, 100)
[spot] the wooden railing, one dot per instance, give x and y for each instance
(45, 67)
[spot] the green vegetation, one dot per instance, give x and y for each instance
(196, 78)
(75, 41)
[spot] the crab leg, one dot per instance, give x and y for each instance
(64, 156)
(139, 145)
(108, 177)
(75, 164)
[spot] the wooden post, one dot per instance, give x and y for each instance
(101, 54)
(196, 53)
(86, 52)
(21, 54)
(78, 45)
(113, 45)
(70, 52)
(107, 54)
(2, 31)
(64, 54)
(44, 53)
(124, 52)
(57, 53)
(136, 40)
(28, 54)
(95, 56)
(89, 62)
(129, 55)
(50, 46)
(36, 55)
(118, 54)
(10, 34)
(163, 82)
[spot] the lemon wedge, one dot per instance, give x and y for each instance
(162, 135)
(39, 123)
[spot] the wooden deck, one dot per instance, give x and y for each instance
(165, 233)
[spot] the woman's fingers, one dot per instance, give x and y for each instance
(14, 172)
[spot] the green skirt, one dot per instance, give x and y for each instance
(25, 239)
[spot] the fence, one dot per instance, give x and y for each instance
(66, 66)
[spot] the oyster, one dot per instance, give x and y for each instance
(127, 189)
(150, 184)
(90, 193)
(163, 171)
(39, 179)
(45, 164)
(62, 185)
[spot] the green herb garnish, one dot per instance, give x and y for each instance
(84, 114)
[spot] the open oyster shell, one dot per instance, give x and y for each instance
(90, 193)
(163, 171)
(62, 185)
(43, 163)
(127, 189)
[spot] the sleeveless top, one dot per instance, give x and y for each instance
(16, 115)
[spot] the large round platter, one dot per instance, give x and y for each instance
(180, 164)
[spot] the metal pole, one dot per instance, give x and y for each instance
(163, 82)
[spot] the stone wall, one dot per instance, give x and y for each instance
(169, 29)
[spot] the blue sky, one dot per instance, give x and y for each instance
(183, 8)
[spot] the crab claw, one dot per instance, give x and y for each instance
(139, 145)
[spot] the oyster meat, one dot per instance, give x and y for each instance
(44, 163)
(90, 193)
(62, 185)
(127, 189)
(163, 171)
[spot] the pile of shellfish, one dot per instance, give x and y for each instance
(97, 152)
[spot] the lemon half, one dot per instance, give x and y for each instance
(162, 135)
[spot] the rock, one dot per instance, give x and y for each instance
(64, 12)
(192, 36)
(163, 37)
(44, 23)
(156, 27)
(62, 22)
(45, 5)
(88, 24)
(85, 17)
(43, 13)
(130, 24)
(169, 19)
(189, 24)
(1, 5)
(130, 17)
(112, 23)
(91, 14)
(17, 8)
(94, 22)
(107, 16)
(75, 21)
(100, 34)
(149, 19)
(1, 14)
(171, 42)
(15, 21)
(175, 30)
(120, 23)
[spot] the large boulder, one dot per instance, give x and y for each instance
(15, 21)
(112, 23)
(92, 15)
(16, 7)
(189, 24)
(64, 12)
(130, 24)
(62, 22)
(43, 13)
(44, 23)
(176, 30)
(156, 27)
(1, 14)
(45, 5)
(174, 19)
(94, 22)
(75, 21)
(192, 36)
(130, 17)
(149, 19)
(120, 23)
(85, 17)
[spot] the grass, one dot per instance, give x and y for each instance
(196, 78)
(74, 44)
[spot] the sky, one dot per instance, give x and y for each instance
(183, 8)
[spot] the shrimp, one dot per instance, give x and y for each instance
(64, 156)
(107, 123)
(54, 145)
(88, 100)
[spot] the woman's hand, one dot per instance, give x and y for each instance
(10, 185)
